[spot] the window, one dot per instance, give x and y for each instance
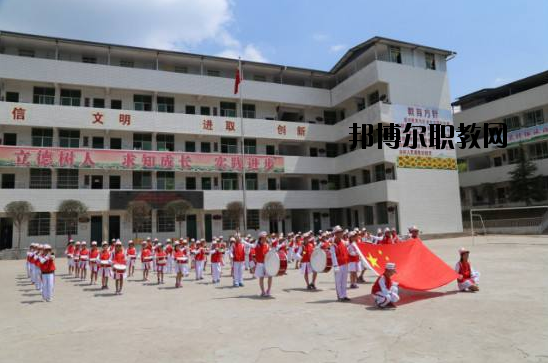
(512, 123)
(126, 63)
(165, 221)
(205, 147)
(229, 181)
(40, 179)
(228, 109)
(10, 139)
(190, 146)
(213, 73)
(116, 104)
(115, 143)
(88, 59)
(229, 145)
(253, 221)
(313, 151)
(368, 214)
(67, 179)
(382, 213)
(251, 181)
(99, 102)
(513, 155)
(205, 110)
(259, 78)
(44, 96)
(380, 172)
(395, 54)
(538, 150)
(497, 161)
(114, 182)
(535, 117)
(66, 226)
(331, 150)
(26, 53)
(206, 183)
(315, 184)
(250, 146)
(144, 225)
(190, 183)
(271, 184)
(430, 60)
(8, 181)
(70, 97)
(189, 109)
(165, 180)
(333, 182)
(12, 96)
(270, 150)
(346, 181)
(248, 110)
(353, 181)
(165, 142)
(97, 142)
(366, 175)
(181, 69)
(330, 117)
(142, 142)
(39, 224)
(142, 102)
(373, 98)
(69, 138)
(142, 180)
(227, 222)
(166, 104)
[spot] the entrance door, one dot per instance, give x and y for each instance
(191, 230)
(208, 228)
(6, 233)
(317, 221)
(96, 182)
(96, 229)
(113, 227)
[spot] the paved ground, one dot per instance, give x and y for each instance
(507, 321)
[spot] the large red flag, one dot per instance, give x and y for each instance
(417, 268)
(237, 81)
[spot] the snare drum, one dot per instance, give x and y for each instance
(275, 263)
(321, 261)
(161, 262)
(182, 259)
(147, 259)
(104, 263)
(119, 268)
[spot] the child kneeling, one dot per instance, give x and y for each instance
(385, 291)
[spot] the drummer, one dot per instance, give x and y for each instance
(119, 261)
(76, 259)
(104, 265)
(261, 249)
(216, 254)
(303, 254)
(131, 255)
(84, 260)
(184, 247)
(199, 260)
(47, 272)
(339, 256)
(180, 258)
(169, 253)
(146, 259)
(69, 252)
(93, 263)
(161, 262)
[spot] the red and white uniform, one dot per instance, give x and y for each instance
(385, 291)
(119, 259)
(353, 258)
(261, 249)
(468, 276)
(199, 261)
(76, 256)
(340, 258)
(181, 261)
(146, 258)
(169, 253)
(47, 270)
(238, 256)
(216, 254)
(84, 258)
(131, 255)
(105, 264)
(69, 252)
(161, 260)
(303, 254)
(93, 260)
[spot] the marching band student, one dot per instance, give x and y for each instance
(387, 238)
(111, 247)
(217, 251)
(179, 255)
(84, 260)
(339, 256)
(76, 259)
(69, 252)
(37, 269)
(131, 255)
(169, 253)
(297, 243)
(252, 259)
(385, 291)
(47, 272)
(468, 278)
(105, 263)
(31, 261)
(247, 248)
(395, 237)
(353, 260)
(303, 254)
(27, 265)
(237, 254)
(161, 262)
(413, 234)
(199, 257)
(119, 259)
(146, 259)
(93, 263)
(261, 249)
(186, 251)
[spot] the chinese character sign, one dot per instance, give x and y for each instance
(136, 160)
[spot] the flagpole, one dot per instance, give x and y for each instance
(244, 197)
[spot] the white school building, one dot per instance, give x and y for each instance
(106, 124)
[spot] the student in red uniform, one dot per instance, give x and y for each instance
(69, 252)
(76, 259)
(387, 238)
(93, 263)
(339, 256)
(395, 237)
(36, 263)
(146, 259)
(199, 259)
(303, 254)
(131, 255)
(84, 260)
(237, 254)
(47, 269)
(385, 291)
(169, 253)
(216, 252)
(353, 260)
(468, 278)
(105, 265)
(180, 259)
(119, 259)
(161, 263)
(261, 249)
(413, 234)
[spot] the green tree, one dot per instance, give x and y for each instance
(273, 212)
(71, 210)
(139, 212)
(235, 211)
(19, 211)
(179, 209)
(524, 185)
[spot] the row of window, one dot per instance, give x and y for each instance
(527, 119)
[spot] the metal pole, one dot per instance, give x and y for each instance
(472, 226)
(244, 199)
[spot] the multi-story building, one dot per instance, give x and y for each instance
(485, 172)
(106, 124)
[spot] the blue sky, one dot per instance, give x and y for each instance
(497, 41)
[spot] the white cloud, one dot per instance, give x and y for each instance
(249, 52)
(320, 37)
(337, 48)
(164, 24)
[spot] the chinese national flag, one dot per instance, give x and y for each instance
(237, 81)
(417, 268)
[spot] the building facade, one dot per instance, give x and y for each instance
(106, 124)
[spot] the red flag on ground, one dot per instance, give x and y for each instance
(237, 81)
(417, 268)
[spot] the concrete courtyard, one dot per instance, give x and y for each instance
(507, 321)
